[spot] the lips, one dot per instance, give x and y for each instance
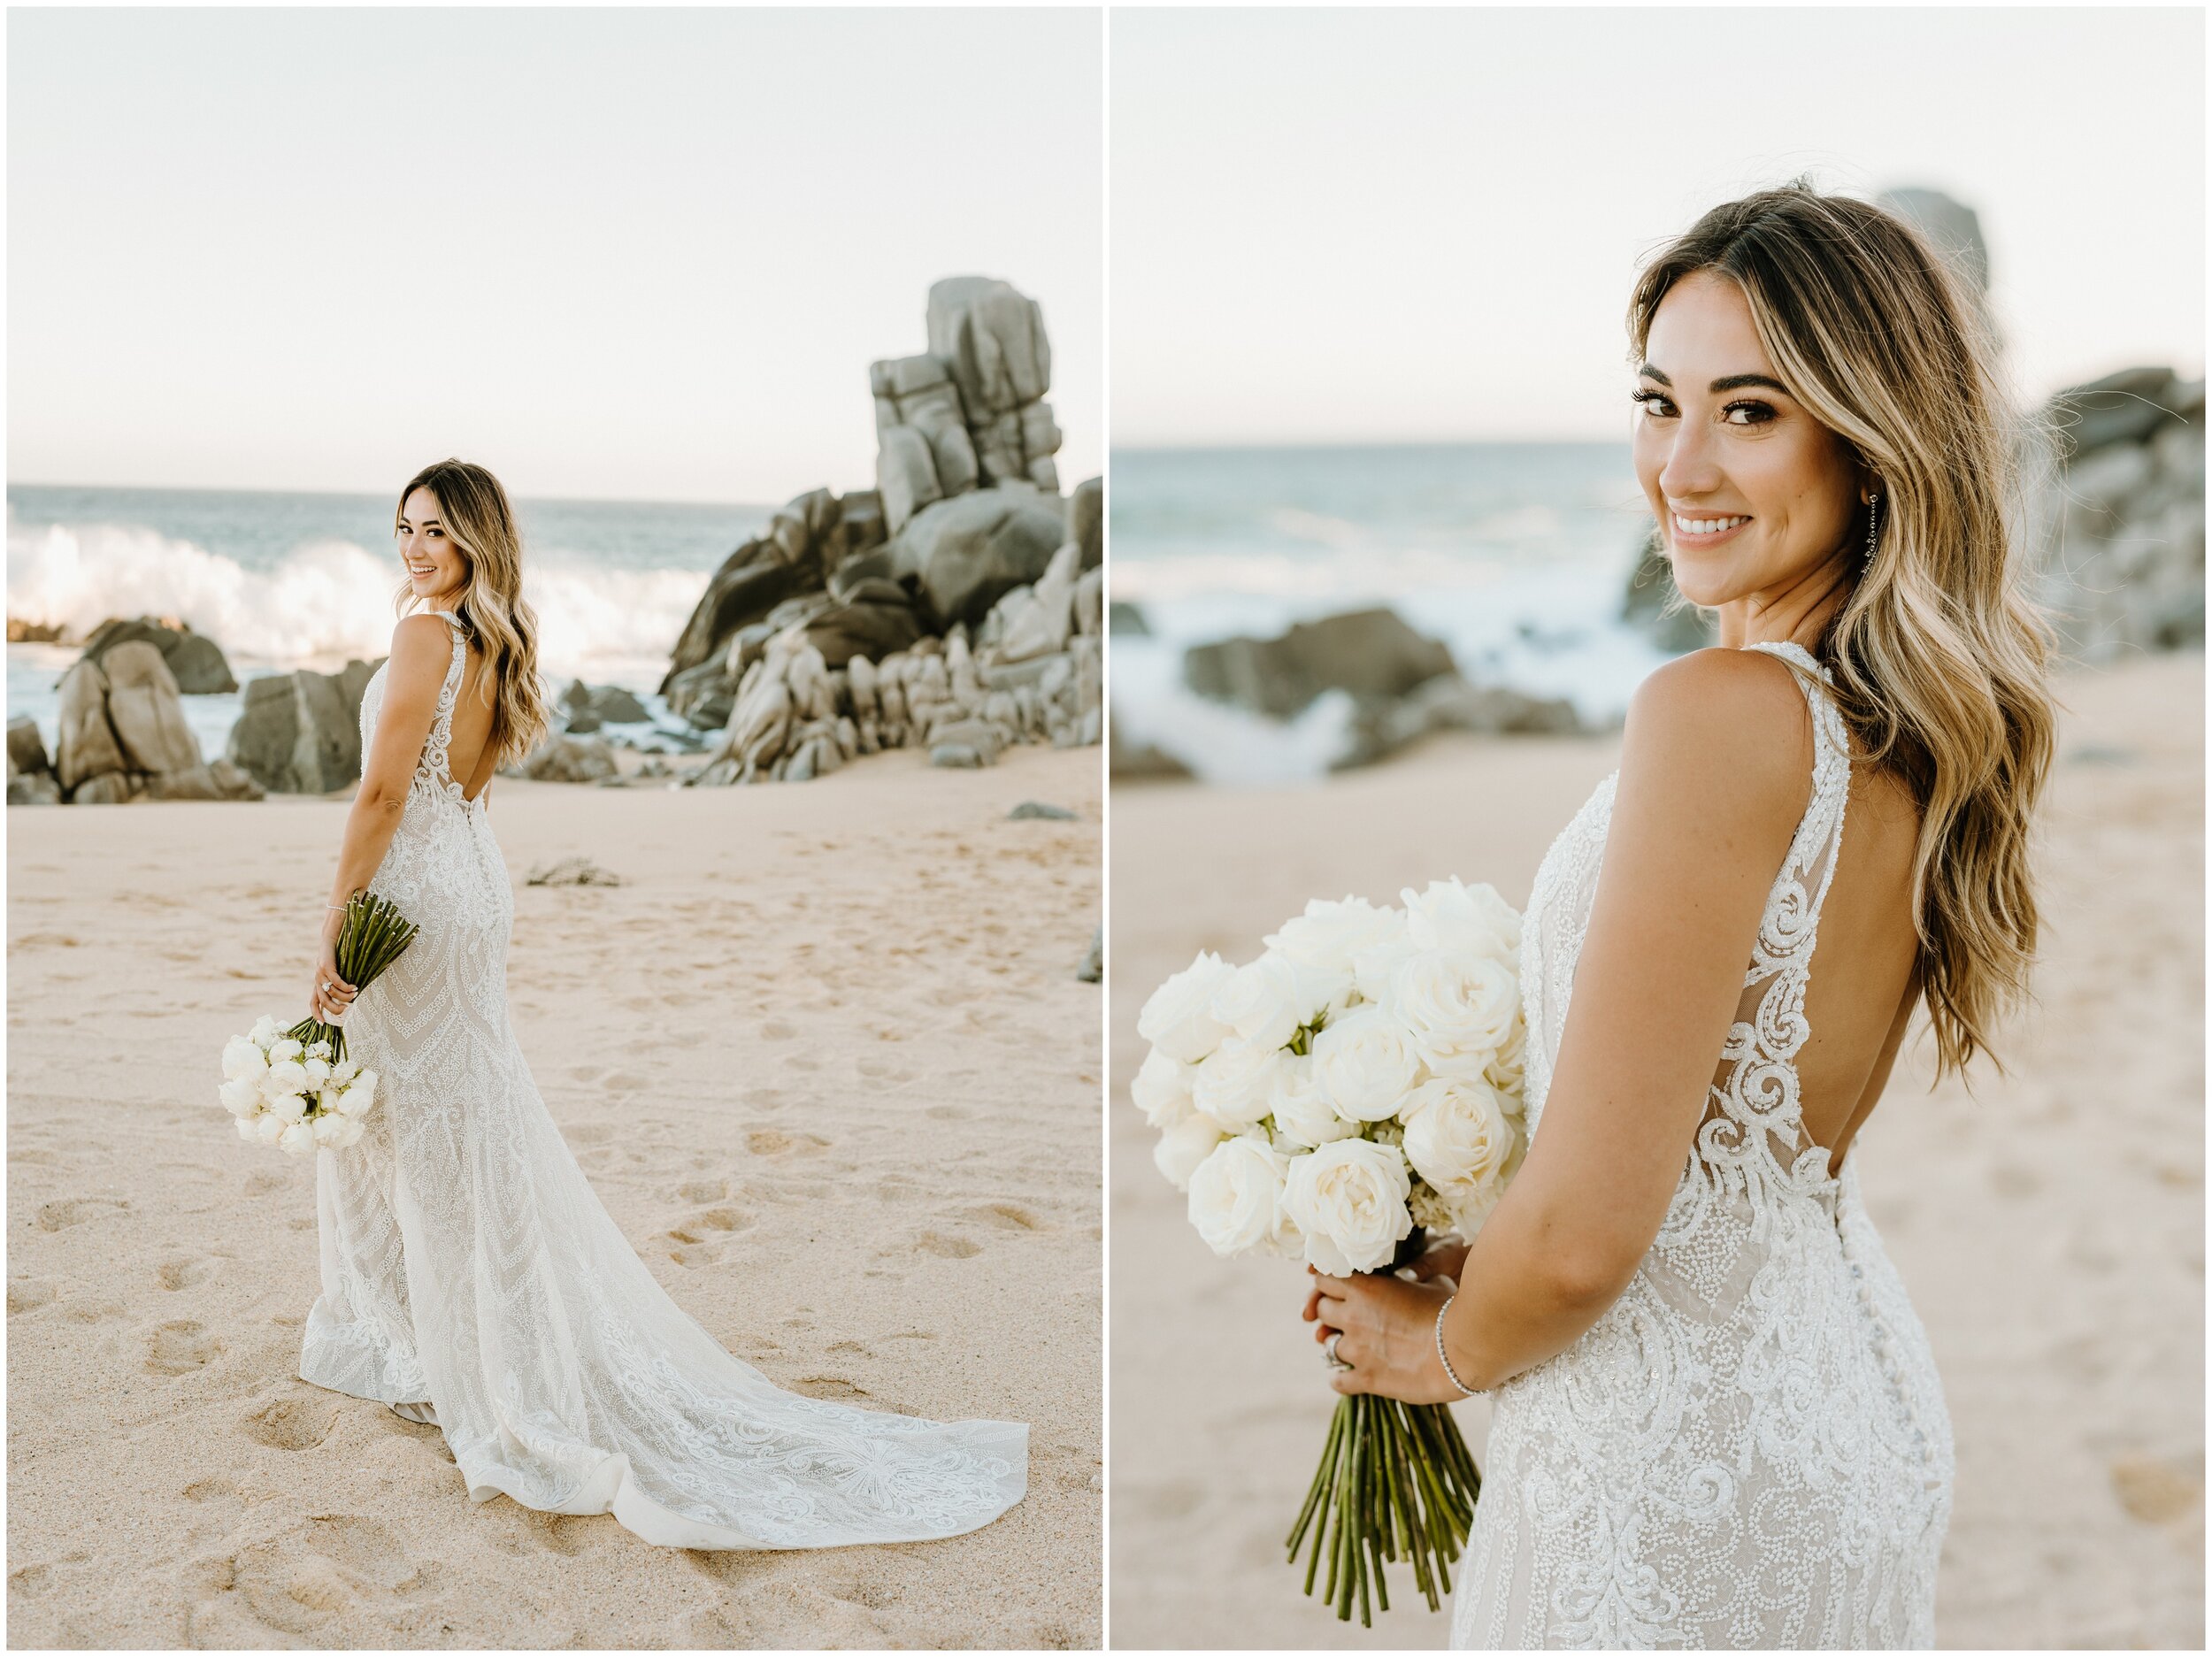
(1705, 531)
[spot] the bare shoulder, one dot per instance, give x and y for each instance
(422, 648)
(1721, 729)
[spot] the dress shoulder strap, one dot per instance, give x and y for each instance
(1787, 934)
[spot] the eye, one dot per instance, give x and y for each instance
(1763, 411)
(1650, 402)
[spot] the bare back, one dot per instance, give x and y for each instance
(469, 755)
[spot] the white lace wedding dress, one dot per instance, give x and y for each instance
(467, 1261)
(1750, 1447)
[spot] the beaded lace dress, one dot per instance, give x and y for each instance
(467, 1261)
(1750, 1447)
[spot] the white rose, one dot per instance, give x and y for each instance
(1348, 1199)
(1262, 1002)
(1235, 1087)
(328, 1130)
(286, 1076)
(1457, 1134)
(1183, 1147)
(349, 1134)
(1161, 1089)
(286, 1106)
(289, 1048)
(1301, 1108)
(331, 1102)
(299, 1138)
(360, 1092)
(269, 1128)
(246, 1129)
(1473, 918)
(242, 1097)
(1366, 1063)
(1176, 1019)
(345, 1071)
(318, 1049)
(242, 1061)
(1507, 1072)
(1460, 1008)
(1329, 936)
(264, 1033)
(1236, 1196)
(318, 1073)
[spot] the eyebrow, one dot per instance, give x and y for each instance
(1726, 382)
(402, 518)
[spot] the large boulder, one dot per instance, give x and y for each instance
(1087, 520)
(925, 452)
(27, 749)
(610, 704)
(561, 758)
(85, 746)
(992, 339)
(966, 553)
(1370, 652)
(1037, 621)
(300, 733)
(875, 619)
(147, 712)
(194, 660)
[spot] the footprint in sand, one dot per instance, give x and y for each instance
(947, 1247)
(261, 1182)
(778, 1029)
(1006, 1216)
(948, 1113)
(882, 1070)
(289, 1424)
(28, 1296)
(57, 1216)
(181, 1273)
(831, 1386)
(703, 1190)
(181, 1347)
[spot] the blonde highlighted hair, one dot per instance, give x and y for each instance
(479, 519)
(1937, 653)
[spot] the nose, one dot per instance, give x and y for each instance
(1690, 471)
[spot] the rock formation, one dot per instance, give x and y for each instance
(123, 737)
(957, 606)
(194, 660)
(300, 733)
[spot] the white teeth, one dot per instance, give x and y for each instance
(1706, 526)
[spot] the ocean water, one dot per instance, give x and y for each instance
(290, 580)
(1515, 555)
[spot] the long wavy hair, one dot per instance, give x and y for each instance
(1936, 652)
(477, 516)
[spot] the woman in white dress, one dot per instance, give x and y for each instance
(1716, 1420)
(470, 1278)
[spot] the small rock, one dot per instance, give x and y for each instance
(956, 754)
(573, 871)
(1029, 809)
(27, 749)
(37, 788)
(1094, 967)
(570, 759)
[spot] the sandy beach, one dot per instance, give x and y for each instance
(825, 1060)
(2050, 1226)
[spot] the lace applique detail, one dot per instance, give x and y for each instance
(1750, 1448)
(467, 1260)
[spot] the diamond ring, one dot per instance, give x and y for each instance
(1328, 1348)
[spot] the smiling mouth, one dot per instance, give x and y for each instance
(422, 569)
(1705, 529)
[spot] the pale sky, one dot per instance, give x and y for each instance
(608, 253)
(1392, 226)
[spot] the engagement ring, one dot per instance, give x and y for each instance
(1328, 1348)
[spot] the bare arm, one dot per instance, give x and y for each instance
(422, 650)
(1716, 769)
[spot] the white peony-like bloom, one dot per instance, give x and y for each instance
(299, 1138)
(1236, 1197)
(286, 1106)
(360, 1093)
(349, 1134)
(269, 1128)
(1458, 1136)
(1161, 1089)
(264, 1032)
(246, 1130)
(1301, 1106)
(1263, 1002)
(1348, 1200)
(286, 1076)
(1459, 1007)
(1366, 1063)
(242, 1061)
(1235, 1085)
(1507, 1072)
(318, 1073)
(1329, 936)
(286, 1047)
(1177, 1019)
(328, 1130)
(1183, 1147)
(1469, 918)
(318, 1049)
(331, 1102)
(240, 1097)
(345, 1071)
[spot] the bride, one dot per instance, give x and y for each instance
(470, 1277)
(1716, 1418)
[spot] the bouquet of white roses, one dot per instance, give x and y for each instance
(1356, 1086)
(291, 1093)
(297, 1089)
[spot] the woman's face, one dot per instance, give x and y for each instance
(1752, 493)
(435, 568)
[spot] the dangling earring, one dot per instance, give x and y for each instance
(1873, 503)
